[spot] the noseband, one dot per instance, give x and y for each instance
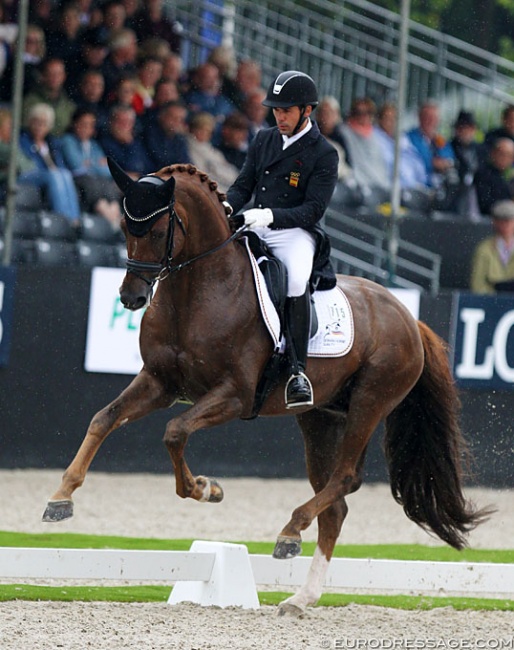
(161, 270)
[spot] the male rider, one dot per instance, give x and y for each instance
(291, 170)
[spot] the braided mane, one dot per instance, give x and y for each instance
(193, 171)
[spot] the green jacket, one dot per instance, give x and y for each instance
(487, 267)
(24, 164)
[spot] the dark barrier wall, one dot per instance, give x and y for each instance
(47, 401)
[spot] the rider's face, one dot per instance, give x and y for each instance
(287, 118)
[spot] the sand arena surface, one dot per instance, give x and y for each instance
(253, 509)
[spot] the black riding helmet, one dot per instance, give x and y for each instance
(292, 88)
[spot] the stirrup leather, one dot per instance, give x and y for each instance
(305, 395)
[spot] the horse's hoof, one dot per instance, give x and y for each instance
(58, 510)
(216, 492)
(210, 490)
(288, 609)
(287, 547)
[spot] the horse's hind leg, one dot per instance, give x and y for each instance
(321, 431)
(144, 395)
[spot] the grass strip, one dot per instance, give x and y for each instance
(375, 551)
(156, 594)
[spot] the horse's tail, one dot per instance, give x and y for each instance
(425, 451)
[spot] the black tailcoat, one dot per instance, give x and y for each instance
(296, 184)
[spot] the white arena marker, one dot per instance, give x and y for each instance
(231, 582)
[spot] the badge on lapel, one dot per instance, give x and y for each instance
(294, 178)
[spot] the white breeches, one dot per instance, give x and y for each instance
(295, 247)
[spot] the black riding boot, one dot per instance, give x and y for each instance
(298, 322)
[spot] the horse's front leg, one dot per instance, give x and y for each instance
(144, 395)
(216, 407)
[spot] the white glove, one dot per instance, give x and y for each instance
(258, 217)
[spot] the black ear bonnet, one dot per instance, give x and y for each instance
(145, 200)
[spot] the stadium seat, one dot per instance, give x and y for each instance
(25, 225)
(28, 197)
(120, 254)
(54, 252)
(22, 251)
(96, 228)
(56, 226)
(92, 253)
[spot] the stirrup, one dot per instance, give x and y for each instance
(300, 395)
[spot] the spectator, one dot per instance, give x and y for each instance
(364, 149)
(40, 14)
(234, 139)
(120, 142)
(50, 172)
(64, 42)
(467, 154)
(51, 91)
(86, 159)
(205, 95)
(172, 70)
(24, 164)
(165, 92)
(156, 48)
(506, 130)
(248, 79)
(148, 74)
(90, 93)
(411, 168)
(492, 267)
(165, 137)
(492, 178)
(93, 51)
(328, 118)
(436, 153)
(206, 157)
(123, 93)
(113, 20)
(131, 9)
(33, 55)
(256, 112)
(121, 60)
(151, 22)
(224, 58)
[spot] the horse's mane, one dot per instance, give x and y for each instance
(194, 171)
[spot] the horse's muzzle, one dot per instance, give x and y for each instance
(136, 294)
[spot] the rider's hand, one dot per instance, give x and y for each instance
(258, 217)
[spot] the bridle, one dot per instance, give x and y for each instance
(161, 270)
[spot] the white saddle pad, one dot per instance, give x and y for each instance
(335, 334)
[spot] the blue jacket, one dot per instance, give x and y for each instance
(131, 157)
(29, 149)
(82, 160)
(162, 149)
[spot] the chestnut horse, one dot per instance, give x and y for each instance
(203, 340)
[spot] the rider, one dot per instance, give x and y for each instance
(292, 171)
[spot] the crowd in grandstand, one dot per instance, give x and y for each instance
(107, 79)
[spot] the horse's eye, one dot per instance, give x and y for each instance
(157, 235)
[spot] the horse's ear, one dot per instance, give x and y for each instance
(121, 178)
(166, 189)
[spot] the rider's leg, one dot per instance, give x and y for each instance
(296, 248)
(298, 388)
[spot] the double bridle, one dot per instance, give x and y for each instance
(161, 270)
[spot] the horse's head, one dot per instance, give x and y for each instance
(149, 236)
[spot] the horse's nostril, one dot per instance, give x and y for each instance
(133, 302)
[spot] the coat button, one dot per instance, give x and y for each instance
(267, 171)
(263, 189)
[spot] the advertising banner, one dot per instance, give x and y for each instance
(7, 280)
(113, 332)
(483, 341)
